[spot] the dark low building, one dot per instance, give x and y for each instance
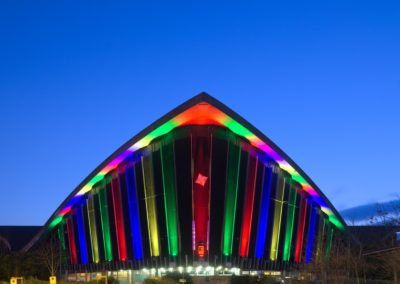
(376, 238)
(15, 238)
(200, 189)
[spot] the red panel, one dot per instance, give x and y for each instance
(119, 219)
(201, 114)
(71, 242)
(248, 206)
(201, 153)
(300, 229)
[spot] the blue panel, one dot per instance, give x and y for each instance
(81, 235)
(311, 234)
(134, 213)
(264, 207)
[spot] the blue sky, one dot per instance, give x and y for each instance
(79, 78)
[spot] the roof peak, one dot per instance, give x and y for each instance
(202, 97)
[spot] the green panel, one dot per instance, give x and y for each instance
(55, 221)
(291, 210)
(151, 208)
(61, 235)
(105, 224)
(92, 230)
(237, 128)
(277, 218)
(329, 239)
(169, 185)
(231, 196)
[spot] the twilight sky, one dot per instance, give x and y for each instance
(79, 78)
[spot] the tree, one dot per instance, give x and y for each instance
(388, 214)
(344, 263)
(387, 253)
(49, 254)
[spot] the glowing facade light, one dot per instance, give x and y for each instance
(264, 208)
(134, 218)
(300, 230)
(81, 236)
(291, 212)
(105, 224)
(170, 204)
(201, 186)
(231, 196)
(151, 207)
(71, 242)
(248, 207)
(280, 189)
(258, 169)
(204, 113)
(93, 230)
(310, 235)
(118, 219)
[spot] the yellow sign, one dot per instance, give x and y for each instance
(14, 280)
(53, 280)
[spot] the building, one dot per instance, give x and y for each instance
(200, 190)
(14, 238)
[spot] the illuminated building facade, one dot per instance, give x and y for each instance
(200, 186)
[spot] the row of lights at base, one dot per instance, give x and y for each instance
(207, 270)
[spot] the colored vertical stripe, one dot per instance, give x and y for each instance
(61, 236)
(291, 210)
(71, 242)
(87, 231)
(277, 217)
(232, 179)
(92, 230)
(169, 185)
(201, 154)
(118, 219)
(264, 208)
(202, 113)
(248, 206)
(150, 200)
(159, 199)
(329, 239)
(111, 220)
(81, 235)
(105, 224)
(134, 213)
(144, 228)
(300, 229)
(311, 234)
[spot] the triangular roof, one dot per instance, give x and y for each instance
(200, 110)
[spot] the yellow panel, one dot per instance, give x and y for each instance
(277, 218)
(151, 209)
